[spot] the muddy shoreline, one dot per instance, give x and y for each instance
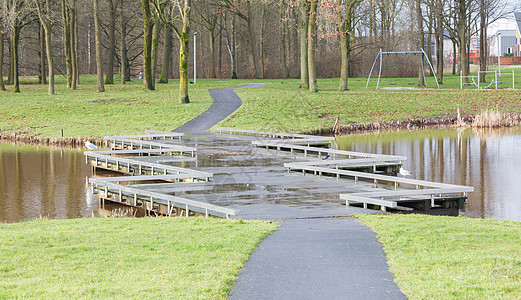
(338, 129)
(409, 124)
(69, 142)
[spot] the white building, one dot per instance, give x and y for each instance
(507, 43)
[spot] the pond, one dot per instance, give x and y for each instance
(489, 160)
(51, 183)
(40, 182)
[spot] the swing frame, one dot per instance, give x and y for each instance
(423, 58)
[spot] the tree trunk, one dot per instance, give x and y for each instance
(439, 43)
(429, 41)
(10, 72)
(454, 58)
(14, 53)
(345, 30)
(155, 48)
(74, 42)
(231, 49)
(2, 86)
(45, 19)
(43, 75)
(67, 42)
(261, 37)
(312, 45)
(282, 41)
(109, 78)
(251, 30)
(483, 40)
(50, 63)
(295, 45)
(462, 35)
(421, 40)
(183, 52)
(304, 23)
(148, 21)
(345, 41)
(211, 44)
(167, 54)
(99, 61)
(122, 44)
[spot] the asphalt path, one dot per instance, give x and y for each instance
(306, 258)
(225, 102)
(321, 258)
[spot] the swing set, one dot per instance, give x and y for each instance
(423, 58)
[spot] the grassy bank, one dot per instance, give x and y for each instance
(435, 257)
(121, 109)
(284, 107)
(280, 106)
(125, 258)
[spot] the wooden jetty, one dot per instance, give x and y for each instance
(389, 192)
(143, 170)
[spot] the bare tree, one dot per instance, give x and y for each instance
(148, 20)
(167, 55)
(109, 78)
(45, 19)
(304, 24)
(99, 58)
(171, 13)
(346, 14)
(312, 45)
(2, 86)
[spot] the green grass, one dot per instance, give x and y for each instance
(125, 258)
(121, 109)
(280, 106)
(285, 107)
(435, 257)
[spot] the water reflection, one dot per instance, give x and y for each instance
(489, 160)
(42, 182)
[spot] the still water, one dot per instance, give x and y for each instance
(489, 160)
(43, 182)
(51, 183)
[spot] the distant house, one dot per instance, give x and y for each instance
(508, 42)
(516, 49)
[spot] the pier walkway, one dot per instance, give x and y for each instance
(318, 252)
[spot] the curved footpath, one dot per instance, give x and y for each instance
(308, 258)
(225, 102)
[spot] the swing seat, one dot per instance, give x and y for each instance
(411, 83)
(392, 83)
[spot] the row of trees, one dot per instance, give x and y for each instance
(248, 38)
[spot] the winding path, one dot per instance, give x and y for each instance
(225, 102)
(307, 258)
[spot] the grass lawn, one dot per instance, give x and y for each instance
(280, 106)
(125, 258)
(435, 257)
(121, 109)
